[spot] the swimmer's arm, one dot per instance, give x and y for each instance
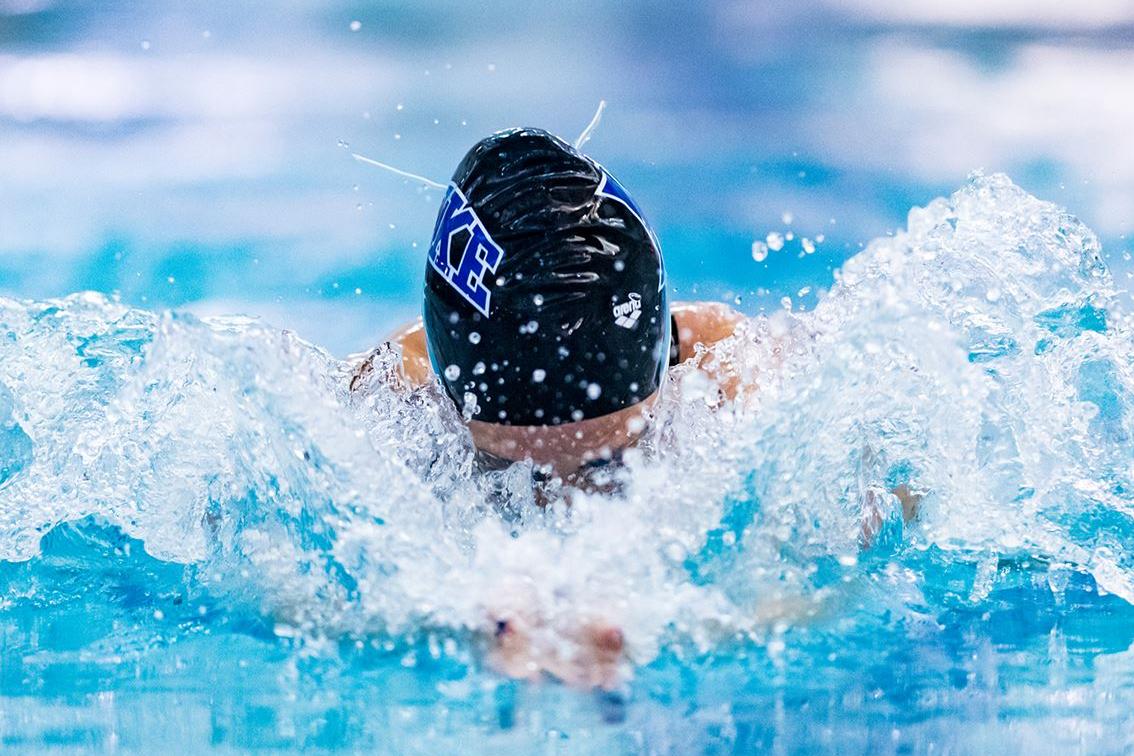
(591, 656)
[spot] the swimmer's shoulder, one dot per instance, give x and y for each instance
(413, 368)
(410, 338)
(704, 323)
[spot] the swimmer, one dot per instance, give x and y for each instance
(547, 323)
(546, 317)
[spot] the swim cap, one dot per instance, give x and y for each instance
(545, 296)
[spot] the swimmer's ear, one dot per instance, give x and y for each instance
(591, 126)
(397, 171)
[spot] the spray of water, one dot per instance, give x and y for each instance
(980, 359)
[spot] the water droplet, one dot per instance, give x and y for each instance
(474, 338)
(452, 373)
(355, 25)
(538, 375)
(538, 300)
(594, 391)
(787, 218)
(759, 251)
(807, 244)
(145, 44)
(775, 241)
(478, 369)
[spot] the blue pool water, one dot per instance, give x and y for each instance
(207, 542)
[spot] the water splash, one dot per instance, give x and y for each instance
(979, 359)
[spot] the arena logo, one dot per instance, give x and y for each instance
(627, 313)
(479, 258)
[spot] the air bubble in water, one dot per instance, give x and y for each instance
(775, 241)
(759, 251)
(538, 375)
(452, 373)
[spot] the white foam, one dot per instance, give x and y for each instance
(229, 444)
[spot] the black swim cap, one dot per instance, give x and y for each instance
(545, 296)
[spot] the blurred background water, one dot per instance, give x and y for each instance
(196, 155)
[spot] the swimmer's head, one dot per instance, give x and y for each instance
(545, 299)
